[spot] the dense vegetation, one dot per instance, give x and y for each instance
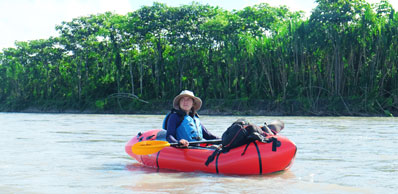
(342, 60)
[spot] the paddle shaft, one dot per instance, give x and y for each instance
(213, 141)
(150, 147)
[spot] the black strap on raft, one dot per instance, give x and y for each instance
(211, 157)
(260, 165)
(247, 145)
(157, 160)
(217, 162)
(275, 145)
(274, 141)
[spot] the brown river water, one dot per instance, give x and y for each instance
(84, 153)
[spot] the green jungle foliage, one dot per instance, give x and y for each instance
(342, 60)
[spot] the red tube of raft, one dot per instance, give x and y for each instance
(259, 158)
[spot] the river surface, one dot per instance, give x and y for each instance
(79, 153)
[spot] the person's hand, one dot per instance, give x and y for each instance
(184, 143)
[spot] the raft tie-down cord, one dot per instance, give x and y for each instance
(247, 145)
(260, 164)
(157, 160)
(211, 157)
(275, 145)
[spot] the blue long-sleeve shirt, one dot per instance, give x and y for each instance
(174, 120)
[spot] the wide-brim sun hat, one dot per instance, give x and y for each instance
(197, 102)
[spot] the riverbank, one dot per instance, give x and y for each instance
(206, 112)
(221, 107)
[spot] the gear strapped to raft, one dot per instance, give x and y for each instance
(240, 133)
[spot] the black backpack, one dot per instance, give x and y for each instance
(240, 133)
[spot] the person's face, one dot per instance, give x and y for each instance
(186, 103)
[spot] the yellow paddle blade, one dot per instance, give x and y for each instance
(149, 147)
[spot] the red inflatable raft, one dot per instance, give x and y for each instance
(259, 158)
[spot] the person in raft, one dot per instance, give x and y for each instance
(182, 123)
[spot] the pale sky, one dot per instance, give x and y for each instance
(23, 20)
